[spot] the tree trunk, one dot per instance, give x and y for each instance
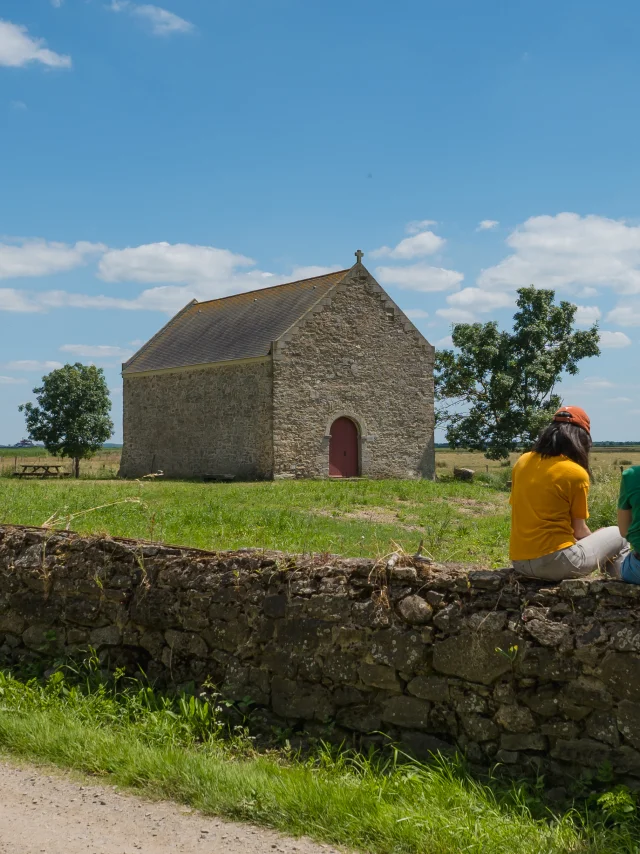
(76, 467)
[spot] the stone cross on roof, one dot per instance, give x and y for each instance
(359, 255)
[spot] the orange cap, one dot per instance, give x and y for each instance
(573, 415)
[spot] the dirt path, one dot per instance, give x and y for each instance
(48, 813)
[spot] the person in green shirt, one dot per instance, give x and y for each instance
(629, 522)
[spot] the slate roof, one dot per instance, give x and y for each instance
(235, 327)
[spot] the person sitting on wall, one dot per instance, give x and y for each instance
(629, 522)
(550, 538)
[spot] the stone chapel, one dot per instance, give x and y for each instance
(325, 377)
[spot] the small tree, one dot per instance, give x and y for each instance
(498, 391)
(72, 415)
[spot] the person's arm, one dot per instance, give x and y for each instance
(580, 529)
(580, 507)
(624, 521)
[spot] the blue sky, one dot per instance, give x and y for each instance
(150, 154)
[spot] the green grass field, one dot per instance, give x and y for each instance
(458, 522)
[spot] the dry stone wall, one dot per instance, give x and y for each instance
(536, 678)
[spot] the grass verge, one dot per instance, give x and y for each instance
(173, 748)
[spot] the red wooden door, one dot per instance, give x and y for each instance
(343, 449)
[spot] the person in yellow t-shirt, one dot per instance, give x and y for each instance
(550, 538)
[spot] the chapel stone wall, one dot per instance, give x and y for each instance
(210, 421)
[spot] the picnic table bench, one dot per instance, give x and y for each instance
(41, 471)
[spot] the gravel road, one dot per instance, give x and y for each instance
(48, 813)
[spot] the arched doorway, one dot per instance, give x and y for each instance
(343, 449)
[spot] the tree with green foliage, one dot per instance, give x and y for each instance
(496, 391)
(72, 415)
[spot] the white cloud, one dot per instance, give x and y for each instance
(597, 382)
(31, 365)
(418, 225)
(15, 301)
(182, 272)
(96, 351)
(614, 340)
(569, 251)
(416, 313)
(166, 262)
(619, 400)
(18, 48)
(20, 106)
(456, 315)
(36, 257)
(587, 315)
(56, 3)
(470, 301)
(11, 381)
(419, 277)
(626, 313)
(424, 243)
(160, 21)
(444, 343)
(487, 225)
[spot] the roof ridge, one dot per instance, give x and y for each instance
(272, 287)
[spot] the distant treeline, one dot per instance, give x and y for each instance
(443, 446)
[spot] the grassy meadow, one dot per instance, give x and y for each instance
(459, 522)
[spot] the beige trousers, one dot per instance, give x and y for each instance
(605, 549)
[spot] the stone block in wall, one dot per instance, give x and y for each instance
(402, 650)
(415, 610)
(107, 636)
(32, 605)
(407, 712)
(585, 752)
(626, 760)
(588, 691)
(479, 728)
(425, 747)
(295, 700)
(566, 730)
(185, 644)
(380, 676)
(475, 657)
(515, 718)
(603, 726)
(434, 688)
(620, 672)
(12, 623)
(228, 636)
(523, 741)
(341, 667)
(275, 606)
(360, 718)
(155, 609)
(44, 639)
(628, 719)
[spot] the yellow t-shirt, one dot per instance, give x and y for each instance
(546, 494)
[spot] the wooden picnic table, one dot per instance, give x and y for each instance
(41, 470)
